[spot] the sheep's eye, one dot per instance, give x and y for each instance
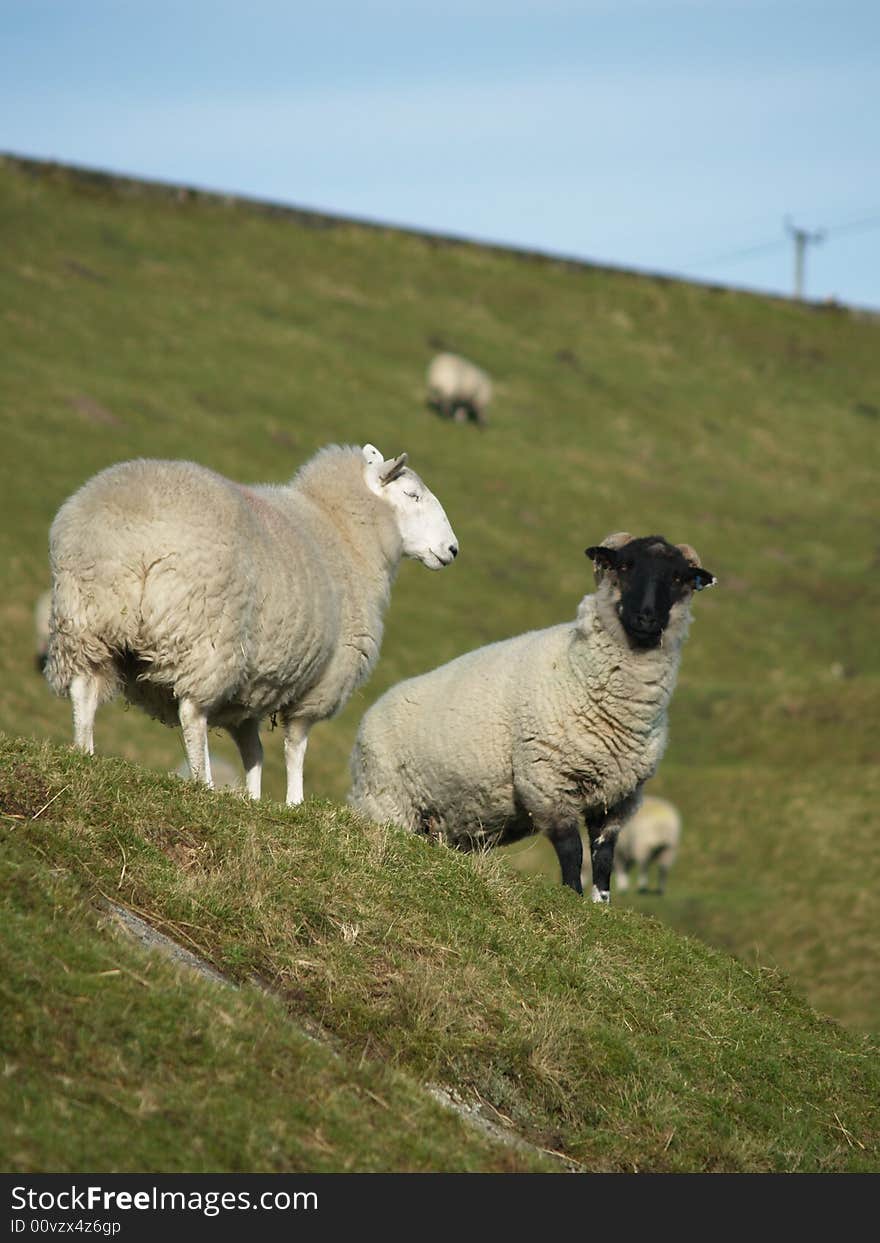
(625, 566)
(414, 496)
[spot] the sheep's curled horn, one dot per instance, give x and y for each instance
(690, 555)
(617, 540)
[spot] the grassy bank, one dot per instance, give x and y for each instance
(599, 1032)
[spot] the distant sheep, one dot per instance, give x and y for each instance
(42, 616)
(458, 389)
(649, 837)
(534, 733)
(209, 602)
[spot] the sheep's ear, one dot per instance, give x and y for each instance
(602, 557)
(372, 456)
(393, 470)
(701, 578)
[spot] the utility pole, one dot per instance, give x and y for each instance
(802, 239)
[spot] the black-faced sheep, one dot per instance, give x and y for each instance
(536, 732)
(208, 602)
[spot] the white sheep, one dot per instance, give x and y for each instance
(651, 836)
(535, 732)
(209, 602)
(458, 389)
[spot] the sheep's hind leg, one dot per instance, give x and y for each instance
(84, 695)
(246, 736)
(569, 849)
(664, 862)
(296, 739)
(194, 723)
(644, 880)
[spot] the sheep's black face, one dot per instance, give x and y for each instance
(653, 576)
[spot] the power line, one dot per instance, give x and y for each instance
(861, 225)
(856, 226)
(734, 256)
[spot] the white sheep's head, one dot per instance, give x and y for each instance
(650, 580)
(424, 529)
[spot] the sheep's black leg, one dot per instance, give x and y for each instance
(570, 853)
(603, 826)
(602, 852)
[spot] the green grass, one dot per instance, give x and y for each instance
(599, 1032)
(140, 322)
(113, 1060)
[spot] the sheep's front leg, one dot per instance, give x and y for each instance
(246, 736)
(84, 694)
(566, 839)
(602, 856)
(603, 827)
(194, 723)
(296, 739)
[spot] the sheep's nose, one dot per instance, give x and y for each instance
(453, 548)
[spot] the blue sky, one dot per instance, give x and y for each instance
(666, 135)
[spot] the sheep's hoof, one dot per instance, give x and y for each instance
(600, 895)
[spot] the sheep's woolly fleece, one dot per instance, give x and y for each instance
(523, 734)
(172, 581)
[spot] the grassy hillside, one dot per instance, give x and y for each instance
(598, 1032)
(139, 321)
(115, 1061)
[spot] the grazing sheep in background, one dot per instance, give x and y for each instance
(42, 616)
(458, 389)
(650, 836)
(209, 602)
(530, 734)
(223, 775)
